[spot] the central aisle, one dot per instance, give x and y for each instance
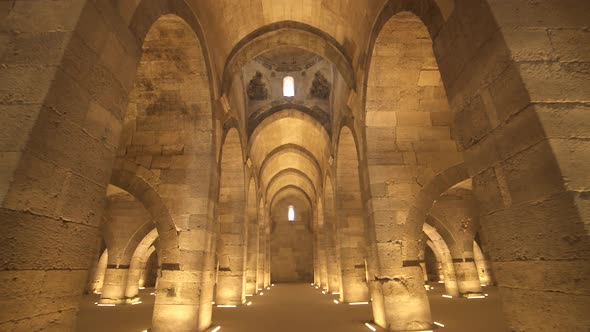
(293, 308)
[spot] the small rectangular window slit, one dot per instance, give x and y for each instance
(288, 86)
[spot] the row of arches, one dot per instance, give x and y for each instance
(155, 124)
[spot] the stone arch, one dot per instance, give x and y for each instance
(283, 121)
(429, 250)
(441, 249)
(295, 149)
(148, 12)
(73, 138)
(298, 263)
(425, 198)
(288, 33)
(137, 265)
(152, 251)
(428, 12)
(308, 186)
(316, 112)
(142, 184)
(127, 220)
(168, 130)
(408, 141)
(291, 187)
(443, 232)
(509, 141)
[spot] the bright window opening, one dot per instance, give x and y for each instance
(288, 86)
(291, 213)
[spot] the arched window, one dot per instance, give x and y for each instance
(288, 86)
(291, 213)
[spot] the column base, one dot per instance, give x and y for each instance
(474, 295)
(133, 300)
(112, 301)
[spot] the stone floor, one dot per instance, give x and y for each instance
(299, 307)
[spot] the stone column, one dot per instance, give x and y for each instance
(323, 261)
(115, 284)
(354, 285)
(424, 271)
(136, 276)
(208, 280)
(406, 301)
(260, 273)
(99, 273)
(267, 272)
(440, 271)
(177, 301)
(484, 269)
(467, 276)
(252, 258)
(333, 258)
(142, 275)
(446, 269)
(316, 258)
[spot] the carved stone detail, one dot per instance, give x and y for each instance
(320, 87)
(256, 88)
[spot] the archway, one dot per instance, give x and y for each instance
(166, 141)
(137, 266)
(291, 241)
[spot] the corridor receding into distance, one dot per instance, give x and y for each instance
(282, 165)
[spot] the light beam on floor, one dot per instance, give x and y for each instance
(370, 327)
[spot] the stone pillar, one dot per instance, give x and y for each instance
(406, 302)
(267, 272)
(101, 268)
(135, 278)
(323, 260)
(229, 287)
(354, 285)
(208, 281)
(177, 301)
(446, 272)
(316, 258)
(440, 271)
(467, 276)
(252, 258)
(142, 275)
(333, 260)
(59, 125)
(115, 284)
(424, 271)
(231, 252)
(483, 266)
(260, 273)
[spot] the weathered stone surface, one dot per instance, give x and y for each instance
(180, 105)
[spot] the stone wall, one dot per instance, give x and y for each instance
(291, 244)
